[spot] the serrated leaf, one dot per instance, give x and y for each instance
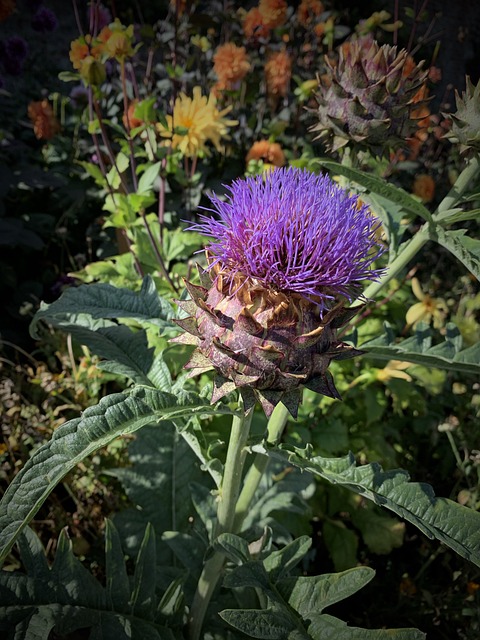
(161, 464)
(103, 301)
(451, 216)
(117, 583)
(342, 544)
(32, 554)
(418, 349)
(464, 248)
(269, 624)
(310, 595)
(279, 563)
(380, 187)
(144, 579)
(449, 522)
(115, 415)
(234, 547)
(326, 627)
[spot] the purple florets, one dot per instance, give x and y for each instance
(294, 231)
(44, 20)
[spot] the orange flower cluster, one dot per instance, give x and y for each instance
(231, 64)
(424, 187)
(278, 72)
(7, 7)
(45, 123)
(254, 26)
(274, 12)
(270, 152)
(308, 10)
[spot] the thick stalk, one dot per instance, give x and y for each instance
(275, 428)
(227, 501)
(462, 183)
(399, 263)
(452, 198)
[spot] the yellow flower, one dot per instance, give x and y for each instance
(394, 369)
(427, 309)
(197, 121)
(119, 43)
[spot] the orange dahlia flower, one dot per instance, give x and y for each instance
(278, 71)
(274, 12)
(231, 64)
(424, 187)
(45, 123)
(254, 26)
(308, 10)
(270, 152)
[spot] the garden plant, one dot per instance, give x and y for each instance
(260, 374)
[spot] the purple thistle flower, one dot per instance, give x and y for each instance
(44, 20)
(16, 49)
(294, 232)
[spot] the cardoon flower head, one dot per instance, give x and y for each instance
(289, 249)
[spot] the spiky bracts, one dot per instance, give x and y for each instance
(289, 249)
(367, 96)
(466, 120)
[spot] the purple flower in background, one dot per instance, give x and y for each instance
(79, 96)
(13, 53)
(289, 249)
(16, 48)
(44, 20)
(293, 231)
(33, 5)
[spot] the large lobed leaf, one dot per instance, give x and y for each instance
(449, 522)
(418, 349)
(66, 597)
(294, 605)
(102, 301)
(114, 416)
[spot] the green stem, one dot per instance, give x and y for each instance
(399, 263)
(227, 501)
(275, 427)
(453, 197)
(462, 183)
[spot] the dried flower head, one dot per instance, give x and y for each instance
(254, 26)
(45, 123)
(195, 122)
(270, 152)
(274, 12)
(278, 72)
(231, 64)
(288, 250)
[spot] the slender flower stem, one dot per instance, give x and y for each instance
(275, 428)
(228, 496)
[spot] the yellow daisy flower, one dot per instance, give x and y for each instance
(427, 309)
(195, 122)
